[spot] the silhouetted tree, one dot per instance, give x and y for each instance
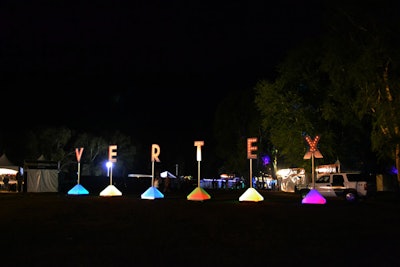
(236, 120)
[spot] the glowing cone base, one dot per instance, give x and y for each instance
(198, 194)
(313, 197)
(251, 195)
(110, 191)
(78, 190)
(152, 193)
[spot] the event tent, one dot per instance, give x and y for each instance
(42, 180)
(167, 174)
(41, 175)
(7, 167)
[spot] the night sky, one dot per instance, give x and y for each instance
(153, 69)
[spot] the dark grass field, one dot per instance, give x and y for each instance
(56, 229)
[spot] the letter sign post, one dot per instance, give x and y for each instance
(250, 156)
(155, 152)
(198, 144)
(312, 153)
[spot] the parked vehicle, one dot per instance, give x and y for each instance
(349, 185)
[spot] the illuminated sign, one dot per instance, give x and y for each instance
(313, 148)
(312, 143)
(198, 144)
(251, 148)
(112, 153)
(78, 153)
(155, 152)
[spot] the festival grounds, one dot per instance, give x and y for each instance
(57, 229)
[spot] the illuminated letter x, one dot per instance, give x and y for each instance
(312, 143)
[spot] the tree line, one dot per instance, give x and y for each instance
(58, 143)
(343, 86)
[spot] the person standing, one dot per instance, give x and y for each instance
(6, 179)
(167, 184)
(20, 179)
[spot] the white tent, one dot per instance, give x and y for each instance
(42, 180)
(41, 175)
(7, 167)
(167, 174)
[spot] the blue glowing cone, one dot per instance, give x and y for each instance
(78, 190)
(152, 193)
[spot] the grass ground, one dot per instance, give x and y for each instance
(56, 229)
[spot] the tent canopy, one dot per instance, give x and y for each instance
(6, 166)
(167, 174)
